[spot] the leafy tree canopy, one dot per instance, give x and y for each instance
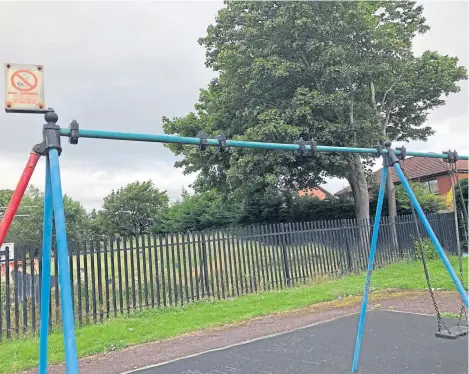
(131, 210)
(198, 212)
(429, 202)
(340, 72)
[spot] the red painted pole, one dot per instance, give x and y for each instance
(18, 195)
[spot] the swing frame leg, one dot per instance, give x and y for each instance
(46, 268)
(374, 241)
(54, 213)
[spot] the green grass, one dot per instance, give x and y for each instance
(450, 315)
(151, 325)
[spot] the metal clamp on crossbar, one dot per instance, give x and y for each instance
(379, 150)
(74, 128)
(302, 150)
(402, 153)
(221, 142)
(313, 144)
(51, 132)
(203, 140)
(389, 158)
(450, 159)
(302, 147)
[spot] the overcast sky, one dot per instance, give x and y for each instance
(123, 66)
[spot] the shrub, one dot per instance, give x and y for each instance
(429, 250)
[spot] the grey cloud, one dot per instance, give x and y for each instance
(113, 68)
(119, 67)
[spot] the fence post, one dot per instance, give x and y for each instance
(456, 239)
(347, 247)
(283, 240)
(204, 263)
(394, 231)
(442, 239)
(397, 222)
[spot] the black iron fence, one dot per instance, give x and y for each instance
(119, 276)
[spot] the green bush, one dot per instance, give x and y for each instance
(429, 250)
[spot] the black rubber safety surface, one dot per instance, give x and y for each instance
(393, 343)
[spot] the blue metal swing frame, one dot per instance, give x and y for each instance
(53, 207)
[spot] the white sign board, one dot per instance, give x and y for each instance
(24, 88)
(10, 247)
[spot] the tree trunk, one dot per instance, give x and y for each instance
(357, 181)
(390, 188)
(359, 186)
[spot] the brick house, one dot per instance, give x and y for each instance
(433, 172)
(317, 192)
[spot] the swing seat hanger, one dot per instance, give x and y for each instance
(452, 333)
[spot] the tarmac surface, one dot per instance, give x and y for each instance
(393, 343)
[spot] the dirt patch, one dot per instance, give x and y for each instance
(152, 353)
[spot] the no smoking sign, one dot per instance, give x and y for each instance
(24, 88)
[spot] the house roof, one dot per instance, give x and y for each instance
(314, 192)
(418, 168)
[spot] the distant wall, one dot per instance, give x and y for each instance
(444, 183)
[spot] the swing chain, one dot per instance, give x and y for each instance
(427, 277)
(452, 158)
(462, 311)
(440, 321)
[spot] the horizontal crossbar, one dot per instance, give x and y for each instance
(173, 139)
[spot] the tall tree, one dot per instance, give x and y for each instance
(342, 73)
(133, 209)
